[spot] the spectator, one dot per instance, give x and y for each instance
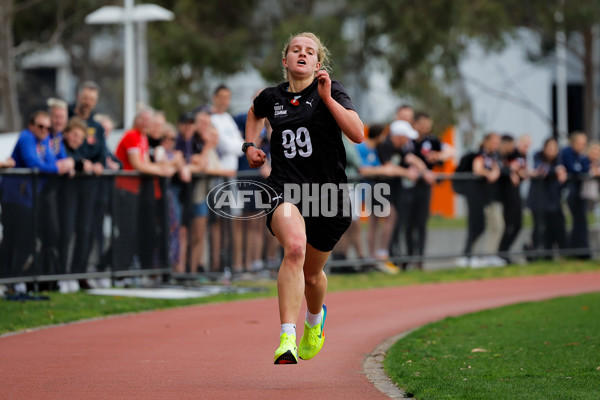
(591, 191)
(544, 199)
(112, 162)
(49, 220)
(188, 143)
(380, 228)
(94, 146)
(248, 246)
(230, 140)
(512, 172)
(214, 167)
(417, 199)
(199, 208)
(229, 149)
(175, 158)
(578, 166)
(137, 231)
(405, 113)
(32, 150)
(72, 198)
(480, 195)
(352, 237)
(155, 136)
(398, 151)
(94, 150)
(58, 110)
(102, 216)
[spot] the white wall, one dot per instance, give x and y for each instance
(508, 93)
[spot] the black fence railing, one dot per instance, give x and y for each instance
(125, 224)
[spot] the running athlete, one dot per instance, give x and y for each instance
(308, 114)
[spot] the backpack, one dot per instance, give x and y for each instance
(465, 164)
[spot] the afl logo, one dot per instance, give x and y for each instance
(231, 199)
(295, 102)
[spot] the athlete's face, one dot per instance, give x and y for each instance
(301, 59)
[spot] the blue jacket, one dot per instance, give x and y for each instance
(576, 165)
(29, 152)
(57, 145)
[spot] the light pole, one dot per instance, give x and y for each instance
(561, 77)
(127, 16)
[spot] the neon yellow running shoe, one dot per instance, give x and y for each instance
(287, 353)
(313, 338)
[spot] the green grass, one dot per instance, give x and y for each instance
(545, 350)
(71, 307)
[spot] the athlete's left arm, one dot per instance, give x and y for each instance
(348, 120)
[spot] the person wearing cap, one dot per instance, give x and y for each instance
(398, 151)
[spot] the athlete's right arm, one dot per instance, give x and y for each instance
(256, 157)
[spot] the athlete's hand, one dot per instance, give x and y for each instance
(324, 84)
(256, 157)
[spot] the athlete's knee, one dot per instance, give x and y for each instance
(295, 250)
(313, 279)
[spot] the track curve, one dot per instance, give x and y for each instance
(224, 351)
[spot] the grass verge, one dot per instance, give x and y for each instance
(544, 350)
(63, 308)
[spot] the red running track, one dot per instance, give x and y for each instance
(225, 351)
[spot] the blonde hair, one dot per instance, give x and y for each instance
(53, 102)
(76, 123)
(322, 52)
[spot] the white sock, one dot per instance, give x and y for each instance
(313, 319)
(288, 328)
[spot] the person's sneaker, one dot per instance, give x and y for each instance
(388, 267)
(287, 353)
(313, 338)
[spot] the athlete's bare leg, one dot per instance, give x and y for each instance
(288, 225)
(315, 278)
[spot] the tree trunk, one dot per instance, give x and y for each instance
(8, 81)
(590, 125)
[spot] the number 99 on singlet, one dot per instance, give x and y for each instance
(296, 143)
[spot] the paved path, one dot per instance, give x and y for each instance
(224, 351)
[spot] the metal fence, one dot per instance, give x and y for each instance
(124, 224)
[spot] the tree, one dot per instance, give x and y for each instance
(422, 42)
(211, 39)
(8, 81)
(207, 39)
(581, 19)
(27, 26)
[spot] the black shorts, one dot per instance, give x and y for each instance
(322, 232)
